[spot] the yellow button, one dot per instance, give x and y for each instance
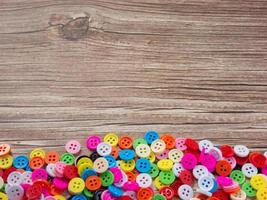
(59, 197)
(127, 166)
(111, 139)
(262, 194)
(3, 196)
(85, 160)
(151, 157)
(175, 155)
(159, 184)
(76, 186)
(258, 181)
(6, 161)
(165, 164)
(83, 167)
(37, 152)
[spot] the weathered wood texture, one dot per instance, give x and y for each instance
(195, 68)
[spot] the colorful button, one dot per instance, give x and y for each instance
(111, 139)
(21, 161)
(127, 165)
(15, 192)
(73, 147)
(169, 140)
(93, 183)
(249, 170)
(199, 171)
(249, 190)
(150, 136)
(107, 178)
(144, 180)
(138, 141)
(67, 158)
(241, 151)
(70, 172)
(100, 165)
(262, 194)
(6, 161)
(191, 144)
(125, 142)
(143, 165)
(175, 155)
(127, 154)
(39, 174)
(4, 149)
(144, 194)
(162, 155)
(186, 177)
(185, 192)
(76, 186)
(238, 176)
(189, 161)
(223, 168)
(92, 142)
(154, 170)
(167, 192)
(206, 145)
(258, 181)
(38, 152)
(177, 169)
(227, 151)
(52, 157)
(158, 146)
(180, 144)
(165, 164)
(142, 150)
(205, 183)
(36, 162)
(166, 177)
(103, 149)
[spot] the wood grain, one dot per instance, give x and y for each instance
(194, 68)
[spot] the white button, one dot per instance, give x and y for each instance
(241, 151)
(123, 180)
(100, 165)
(131, 194)
(104, 149)
(175, 155)
(209, 194)
(144, 180)
(205, 183)
(185, 192)
(216, 153)
(199, 171)
(158, 146)
(27, 177)
(211, 175)
(15, 192)
(240, 195)
(177, 168)
(142, 150)
(50, 168)
(14, 178)
(249, 170)
(232, 161)
(265, 154)
(205, 144)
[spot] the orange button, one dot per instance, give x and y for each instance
(131, 176)
(114, 152)
(169, 141)
(93, 183)
(125, 142)
(223, 168)
(4, 149)
(144, 194)
(52, 157)
(36, 162)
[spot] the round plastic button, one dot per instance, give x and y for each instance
(67, 158)
(144, 180)
(34, 191)
(100, 165)
(21, 162)
(107, 178)
(73, 147)
(223, 168)
(167, 192)
(127, 154)
(165, 164)
(103, 149)
(37, 153)
(92, 142)
(115, 191)
(93, 183)
(180, 144)
(83, 167)
(227, 151)
(249, 170)
(70, 172)
(262, 194)
(169, 140)
(154, 170)
(189, 161)
(162, 155)
(36, 162)
(76, 186)
(143, 165)
(138, 141)
(249, 190)
(144, 194)
(14, 178)
(125, 142)
(238, 176)
(205, 183)
(206, 145)
(199, 171)
(142, 150)
(191, 144)
(52, 157)
(241, 151)
(175, 155)
(185, 192)
(258, 181)
(257, 159)
(88, 172)
(82, 160)
(127, 165)
(240, 195)
(232, 161)
(4, 149)
(111, 139)
(177, 169)
(216, 153)
(166, 177)
(150, 136)
(15, 192)
(186, 177)
(158, 146)
(6, 161)
(39, 174)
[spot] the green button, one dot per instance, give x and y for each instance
(158, 197)
(249, 190)
(67, 158)
(138, 141)
(87, 193)
(166, 177)
(154, 170)
(238, 176)
(107, 178)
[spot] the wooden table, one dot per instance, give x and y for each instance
(195, 68)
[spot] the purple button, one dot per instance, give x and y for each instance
(162, 155)
(180, 144)
(92, 142)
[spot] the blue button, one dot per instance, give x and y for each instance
(111, 161)
(115, 191)
(127, 154)
(215, 187)
(21, 162)
(79, 197)
(143, 165)
(150, 136)
(88, 172)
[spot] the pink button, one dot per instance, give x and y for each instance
(233, 185)
(117, 174)
(130, 186)
(189, 161)
(163, 155)
(224, 181)
(232, 161)
(180, 144)
(25, 186)
(59, 168)
(92, 142)
(73, 147)
(208, 161)
(60, 183)
(264, 170)
(39, 174)
(106, 195)
(49, 198)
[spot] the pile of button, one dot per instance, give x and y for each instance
(150, 168)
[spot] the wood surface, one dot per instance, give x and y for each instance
(193, 68)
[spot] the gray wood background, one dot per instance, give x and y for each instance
(193, 68)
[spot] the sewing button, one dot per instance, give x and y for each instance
(241, 161)
(185, 192)
(150, 136)
(114, 152)
(82, 160)
(166, 177)
(175, 155)
(4, 149)
(142, 150)
(191, 144)
(223, 168)
(143, 165)
(165, 164)
(159, 197)
(206, 145)
(241, 151)
(6, 161)
(15, 192)
(158, 146)
(257, 159)
(240, 195)
(60, 183)
(238, 176)
(51, 157)
(88, 172)
(21, 162)
(167, 192)
(158, 184)
(258, 181)
(131, 175)
(208, 161)
(14, 178)
(38, 152)
(154, 170)
(50, 168)
(144, 180)
(111, 161)
(36, 162)
(199, 171)
(33, 192)
(26, 177)
(111, 139)
(73, 147)
(249, 190)
(59, 169)
(144, 194)
(177, 169)
(117, 173)
(216, 153)
(70, 172)
(163, 155)
(227, 151)
(180, 144)
(127, 154)
(125, 142)
(67, 158)
(205, 183)
(221, 195)
(122, 181)
(76, 185)
(189, 161)
(93, 183)
(249, 170)
(175, 186)
(92, 142)
(232, 161)
(151, 157)
(107, 178)
(100, 165)
(138, 141)
(262, 194)
(3, 196)
(169, 140)
(115, 191)
(127, 165)
(103, 149)
(39, 174)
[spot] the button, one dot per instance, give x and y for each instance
(93, 183)
(111, 161)
(191, 144)
(21, 162)
(142, 150)
(138, 141)
(3, 196)
(216, 153)
(169, 140)
(144, 180)
(52, 157)
(221, 195)
(159, 197)
(227, 151)
(38, 152)
(111, 139)
(73, 147)
(241, 151)
(177, 169)
(117, 173)
(114, 152)
(125, 142)
(39, 174)
(122, 181)
(88, 172)
(76, 186)
(223, 168)
(84, 160)
(50, 168)
(163, 155)
(14, 178)
(144, 194)
(127, 154)
(131, 175)
(249, 190)
(241, 161)
(67, 158)
(154, 170)
(238, 176)
(107, 178)
(103, 149)
(165, 164)
(189, 161)
(180, 144)
(143, 165)
(151, 157)
(166, 177)
(4, 149)
(70, 172)
(60, 183)
(208, 161)
(175, 155)
(185, 192)
(224, 181)
(199, 171)
(167, 192)
(206, 145)
(34, 191)
(240, 195)
(36, 162)
(158, 146)
(150, 136)
(232, 161)
(205, 183)
(127, 165)
(100, 165)
(258, 181)
(92, 142)
(186, 177)
(262, 194)
(257, 159)
(6, 161)
(175, 186)
(59, 168)
(115, 191)
(15, 192)
(249, 170)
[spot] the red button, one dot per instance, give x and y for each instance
(175, 186)
(191, 144)
(34, 191)
(125, 198)
(201, 197)
(70, 172)
(144, 194)
(125, 142)
(257, 159)
(167, 192)
(223, 168)
(227, 151)
(241, 161)
(221, 195)
(186, 177)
